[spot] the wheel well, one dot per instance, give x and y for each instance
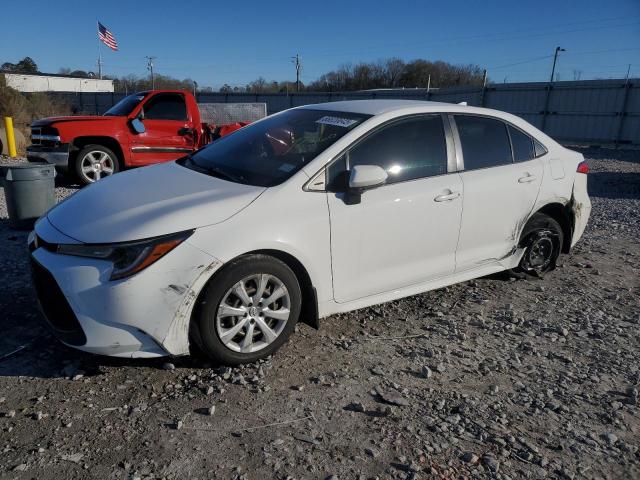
(309, 311)
(564, 216)
(111, 143)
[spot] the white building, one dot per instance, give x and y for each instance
(55, 83)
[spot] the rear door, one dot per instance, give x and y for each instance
(499, 193)
(169, 130)
(404, 232)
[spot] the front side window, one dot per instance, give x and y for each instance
(407, 149)
(523, 148)
(270, 151)
(485, 142)
(166, 106)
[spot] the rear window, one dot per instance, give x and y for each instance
(485, 142)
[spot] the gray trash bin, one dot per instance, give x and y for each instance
(29, 189)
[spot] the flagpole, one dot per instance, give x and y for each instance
(99, 52)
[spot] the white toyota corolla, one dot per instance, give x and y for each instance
(315, 210)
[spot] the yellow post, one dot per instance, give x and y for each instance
(11, 139)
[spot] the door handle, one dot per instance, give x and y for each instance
(447, 197)
(527, 178)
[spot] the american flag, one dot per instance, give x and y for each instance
(107, 37)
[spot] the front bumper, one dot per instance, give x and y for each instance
(57, 155)
(145, 315)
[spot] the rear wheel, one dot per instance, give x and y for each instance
(95, 162)
(249, 310)
(542, 240)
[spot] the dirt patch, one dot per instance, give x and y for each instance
(490, 378)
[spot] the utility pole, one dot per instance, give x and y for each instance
(150, 68)
(626, 80)
(296, 61)
(484, 87)
(555, 59)
(428, 84)
(546, 112)
(195, 88)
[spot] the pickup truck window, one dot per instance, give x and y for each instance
(165, 106)
(125, 106)
(270, 151)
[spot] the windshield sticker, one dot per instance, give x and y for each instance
(286, 167)
(337, 121)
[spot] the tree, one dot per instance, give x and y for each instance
(26, 65)
(395, 73)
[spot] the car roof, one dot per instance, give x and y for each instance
(374, 107)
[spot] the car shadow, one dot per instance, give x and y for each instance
(622, 185)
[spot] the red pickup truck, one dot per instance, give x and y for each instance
(141, 129)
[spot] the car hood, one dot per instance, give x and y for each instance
(148, 202)
(43, 122)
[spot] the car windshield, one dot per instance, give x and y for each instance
(125, 106)
(268, 152)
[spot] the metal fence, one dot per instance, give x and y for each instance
(589, 111)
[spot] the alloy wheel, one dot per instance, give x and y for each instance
(253, 313)
(95, 165)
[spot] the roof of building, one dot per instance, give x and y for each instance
(41, 74)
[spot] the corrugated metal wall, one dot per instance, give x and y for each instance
(592, 111)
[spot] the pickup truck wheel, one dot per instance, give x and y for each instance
(95, 162)
(542, 239)
(248, 310)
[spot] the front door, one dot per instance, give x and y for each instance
(499, 193)
(404, 232)
(169, 132)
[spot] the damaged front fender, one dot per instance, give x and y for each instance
(176, 342)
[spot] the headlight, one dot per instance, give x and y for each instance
(130, 257)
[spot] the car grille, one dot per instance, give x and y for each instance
(55, 307)
(35, 132)
(44, 136)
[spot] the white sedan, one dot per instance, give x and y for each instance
(313, 211)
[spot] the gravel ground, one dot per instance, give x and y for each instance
(493, 378)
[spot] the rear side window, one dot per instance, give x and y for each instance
(523, 148)
(540, 149)
(485, 142)
(166, 106)
(407, 149)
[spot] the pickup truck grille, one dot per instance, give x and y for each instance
(46, 136)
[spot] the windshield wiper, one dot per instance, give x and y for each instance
(213, 171)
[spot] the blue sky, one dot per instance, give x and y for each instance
(238, 41)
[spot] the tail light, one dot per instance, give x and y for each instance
(583, 167)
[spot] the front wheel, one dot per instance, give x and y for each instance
(542, 239)
(249, 310)
(95, 162)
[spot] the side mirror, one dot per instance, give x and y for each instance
(362, 178)
(138, 126)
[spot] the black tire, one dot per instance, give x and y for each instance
(205, 316)
(84, 178)
(542, 239)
